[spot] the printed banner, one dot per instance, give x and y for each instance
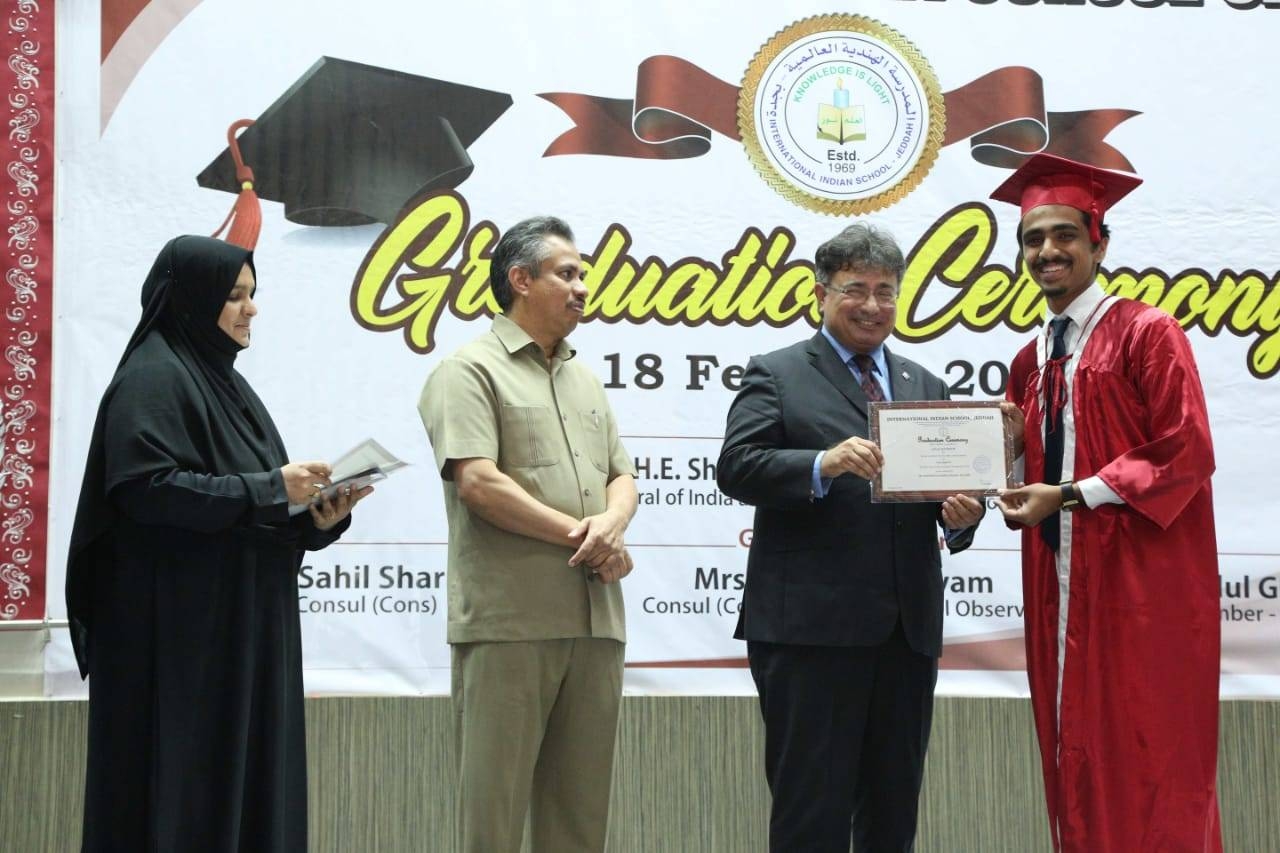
(701, 157)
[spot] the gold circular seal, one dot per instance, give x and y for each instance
(841, 114)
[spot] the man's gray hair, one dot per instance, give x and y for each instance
(859, 246)
(523, 246)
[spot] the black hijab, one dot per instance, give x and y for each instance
(211, 422)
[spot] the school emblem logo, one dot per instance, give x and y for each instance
(841, 114)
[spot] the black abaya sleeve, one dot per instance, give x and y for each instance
(311, 538)
(205, 503)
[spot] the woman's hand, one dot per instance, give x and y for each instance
(328, 511)
(303, 481)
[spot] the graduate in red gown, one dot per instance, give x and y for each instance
(1119, 557)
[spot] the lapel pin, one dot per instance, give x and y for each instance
(906, 375)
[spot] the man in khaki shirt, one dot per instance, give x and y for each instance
(539, 491)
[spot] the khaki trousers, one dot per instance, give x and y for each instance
(536, 725)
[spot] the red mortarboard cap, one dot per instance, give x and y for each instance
(1048, 179)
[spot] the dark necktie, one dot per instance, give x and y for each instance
(869, 384)
(1050, 528)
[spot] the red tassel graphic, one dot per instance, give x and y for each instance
(245, 216)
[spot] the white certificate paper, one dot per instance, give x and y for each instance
(938, 448)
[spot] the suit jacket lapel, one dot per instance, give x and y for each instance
(907, 382)
(825, 361)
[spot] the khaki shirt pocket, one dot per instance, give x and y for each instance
(595, 432)
(529, 436)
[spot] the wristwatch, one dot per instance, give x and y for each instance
(1070, 497)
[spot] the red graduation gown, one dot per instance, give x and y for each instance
(1130, 756)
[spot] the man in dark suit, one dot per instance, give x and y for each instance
(842, 610)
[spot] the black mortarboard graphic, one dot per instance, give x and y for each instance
(349, 144)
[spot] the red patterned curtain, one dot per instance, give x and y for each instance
(28, 306)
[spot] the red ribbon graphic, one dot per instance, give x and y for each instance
(677, 105)
(1002, 114)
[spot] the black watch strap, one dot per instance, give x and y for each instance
(1070, 500)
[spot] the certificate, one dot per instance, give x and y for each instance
(939, 448)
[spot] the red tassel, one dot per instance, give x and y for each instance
(1055, 391)
(245, 216)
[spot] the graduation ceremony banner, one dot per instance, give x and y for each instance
(701, 152)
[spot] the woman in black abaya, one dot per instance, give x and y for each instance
(182, 580)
